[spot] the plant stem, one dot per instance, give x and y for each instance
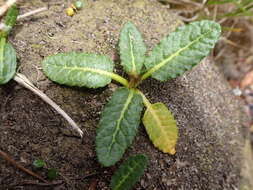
(119, 79)
(145, 100)
(147, 74)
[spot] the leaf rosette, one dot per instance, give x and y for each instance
(177, 53)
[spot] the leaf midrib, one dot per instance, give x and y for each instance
(117, 128)
(169, 58)
(153, 113)
(126, 176)
(133, 70)
(102, 72)
(112, 75)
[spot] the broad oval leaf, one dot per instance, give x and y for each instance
(182, 50)
(161, 127)
(132, 49)
(8, 62)
(78, 69)
(129, 172)
(118, 125)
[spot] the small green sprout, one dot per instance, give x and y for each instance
(52, 173)
(78, 4)
(39, 163)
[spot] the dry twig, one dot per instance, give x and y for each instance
(30, 13)
(29, 182)
(14, 163)
(23, 81)
(230, 42)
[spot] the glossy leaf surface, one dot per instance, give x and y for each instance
(132, 49)
(118, 125)
(161, 127)
(79, 69)
(182, 50)
(8, 62)
(129, 172)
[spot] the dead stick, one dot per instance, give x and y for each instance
(14, 163)
(23, 81)
(39, 184)
(30, 13)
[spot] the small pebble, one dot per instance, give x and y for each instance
(237, 91)
(70, 11)
(78, 5)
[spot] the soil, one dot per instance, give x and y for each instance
(209, 116)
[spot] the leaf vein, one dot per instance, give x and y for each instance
(132, 54)
(131, 170)
(117, 128)
(170, 57)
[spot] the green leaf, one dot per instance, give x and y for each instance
(118, 125)
(8, 61)
(129, 172)
(11, 16)
(39, 163)
(132, 49)
(161, 127)
(182, 50)
(79, 69)
(52, 174)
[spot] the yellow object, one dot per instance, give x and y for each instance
(161, 127)
(70, 11)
